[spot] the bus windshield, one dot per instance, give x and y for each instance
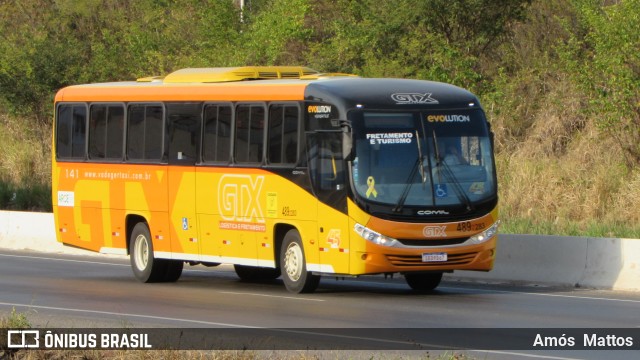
(425, 159)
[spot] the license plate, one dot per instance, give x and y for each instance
(434, 257)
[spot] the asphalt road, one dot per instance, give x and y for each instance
(100, 291)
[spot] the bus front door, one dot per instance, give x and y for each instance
(327, 172)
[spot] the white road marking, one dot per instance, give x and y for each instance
(270, 296)
(63, 260)
(119, 314)
(553, 295)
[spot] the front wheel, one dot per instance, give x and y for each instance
(423, 282)
(294, 266)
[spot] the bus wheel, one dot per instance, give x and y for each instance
(423, 282)
(255, 273)
(174, 270)
(145, 267)
(294, 268)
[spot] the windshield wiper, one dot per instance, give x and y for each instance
(405, 191)
(423, 176)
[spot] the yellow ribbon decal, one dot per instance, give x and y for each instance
(372, 189)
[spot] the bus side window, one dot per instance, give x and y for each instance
(184, 130)
(325, 159)
(282, 138)
(249, 135)
(145, 132)
(71, 135)
(106, 135)
(217, 133)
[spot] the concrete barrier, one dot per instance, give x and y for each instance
(33, 231)
(604, 263)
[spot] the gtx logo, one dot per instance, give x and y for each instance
(413, 98)
(434, 231)
(238, 198)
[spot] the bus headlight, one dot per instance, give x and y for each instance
(486, 235)
(375, 237)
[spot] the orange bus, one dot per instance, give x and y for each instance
(280, 171)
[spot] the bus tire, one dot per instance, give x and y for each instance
(255, 273)
(423, 282)
(145, 267)
(174, 270)
(294, 267)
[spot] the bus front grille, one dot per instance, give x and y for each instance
(416, 260)
(432, 242)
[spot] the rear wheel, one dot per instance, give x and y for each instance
(145, 266)
(174, 270)
(294, 266)
(255, 273)
(423, 282)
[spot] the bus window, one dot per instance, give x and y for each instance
(71, 132)
(217, 133)
(249, 133)
(145, 132)
(282, 139)
(325, 161)
(184, 130)
(106, 132)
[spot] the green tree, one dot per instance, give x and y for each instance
(435, 39)
(607, 62)
(48, 45)
(275, 35)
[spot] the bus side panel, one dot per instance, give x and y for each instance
(334, 240)
(145, 195)
(158, 222)
(239, 209)
(116, 236)
(206, 209)
(80, 201)
(227, 205)
(288, 205)
(185, 243)
(90, 201)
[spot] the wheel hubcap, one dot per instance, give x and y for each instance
(141, 252)
(293, 262)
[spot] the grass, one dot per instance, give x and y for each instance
(15, 320)
(30, 196)
(589, 229)
(559, 173)
(25, 164)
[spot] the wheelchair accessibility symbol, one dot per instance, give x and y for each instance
(441, 191)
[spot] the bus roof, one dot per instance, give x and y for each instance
(272, 83)
(200, 84)
(391, 93)
(211, 75)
